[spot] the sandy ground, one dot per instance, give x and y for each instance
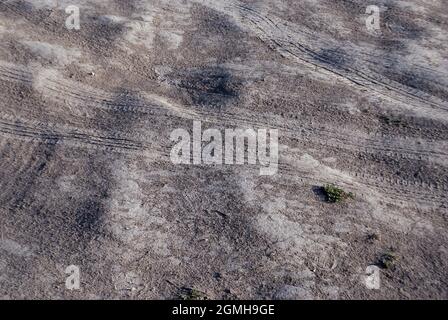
(86, 178)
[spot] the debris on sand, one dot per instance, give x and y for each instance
(388, 260)
(373, 237)
(191, 294)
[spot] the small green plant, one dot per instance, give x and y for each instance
(192, 294)
(388, 260)
(335, 194)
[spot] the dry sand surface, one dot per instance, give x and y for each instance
(86, 177)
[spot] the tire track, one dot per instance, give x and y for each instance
(72, 93)
(75, 136)
(367, 185)
(359, 76)
(399, 147)
(297, 43)
(14, 73)
(57, 89)
(391, 190)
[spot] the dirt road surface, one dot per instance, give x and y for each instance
(86, 177)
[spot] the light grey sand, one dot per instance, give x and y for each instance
(86, 178)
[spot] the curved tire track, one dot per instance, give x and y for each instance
(294, 42)
(26, 131)
(72, 93)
